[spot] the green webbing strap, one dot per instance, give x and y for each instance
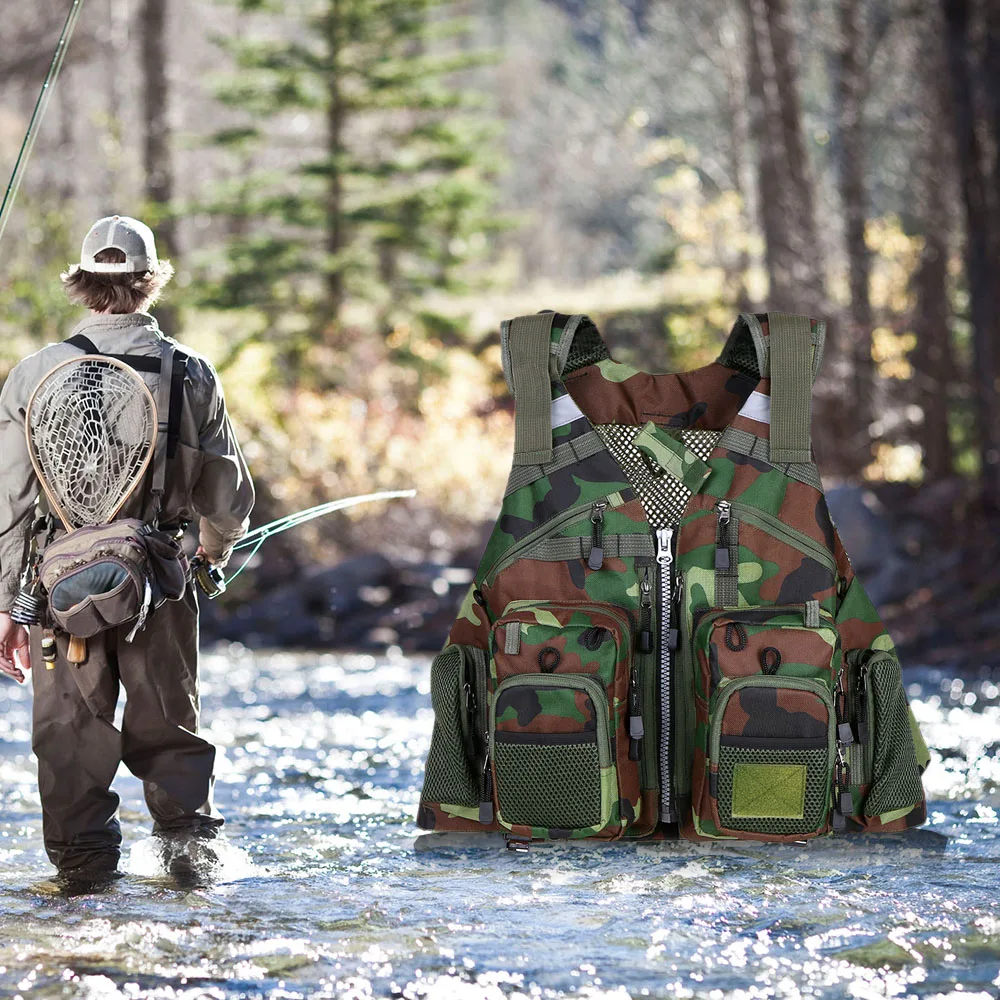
(791, 387)
(567, 453)
(527, 349)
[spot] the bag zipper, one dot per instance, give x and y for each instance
(646, 645)
(770, 524)
(843, 803)
(513, 553)
(668, 633)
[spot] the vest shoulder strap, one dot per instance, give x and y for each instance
(525, 349)
(789, 353)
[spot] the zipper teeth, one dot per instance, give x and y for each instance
(665, 560)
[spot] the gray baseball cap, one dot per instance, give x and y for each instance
(132, 237)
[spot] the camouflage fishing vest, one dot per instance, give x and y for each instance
(664, 634)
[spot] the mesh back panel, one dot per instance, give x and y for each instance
(817, 798)
(663, 497)
(743, 356)
(448, 777)
(895, 772)
(557, 786)
(587, 348)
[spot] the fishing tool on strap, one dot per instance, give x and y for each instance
(212, 581)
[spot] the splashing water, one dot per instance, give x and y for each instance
(326, 890)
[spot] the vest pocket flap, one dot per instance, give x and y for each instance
(671, 455)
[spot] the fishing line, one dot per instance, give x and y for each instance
(38, 114)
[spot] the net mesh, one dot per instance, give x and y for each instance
(556, 786)
(817, 790)
(448, 776)
(663, 496)
(895, 773)
(91, 425)
(587, 348)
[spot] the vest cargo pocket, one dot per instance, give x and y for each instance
(771, 756)
(895, 772)
(551, 750)
(765, 680)
(457, 695)
(566, 730)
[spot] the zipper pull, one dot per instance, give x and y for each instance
(635, 727)
(722, 545)
(486, 796)
(645, 613)
(664, 538)
(845, 736)
(665, 557)
(844, 806)
(596, 558)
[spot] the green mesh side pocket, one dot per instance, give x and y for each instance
(773, 787)
(549, 780)
(449, 774)
(896, 781)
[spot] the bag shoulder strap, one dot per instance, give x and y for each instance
(171, 366)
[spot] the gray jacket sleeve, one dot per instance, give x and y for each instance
(18, 490)
(223, 495)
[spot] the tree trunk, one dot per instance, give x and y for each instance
(980, 250)
(738, 131)
(157, 146)
(794, 256)
(850, 92)
(335, 150)
(933, 358)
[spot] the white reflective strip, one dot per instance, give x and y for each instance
(564, 410)
(757, 407)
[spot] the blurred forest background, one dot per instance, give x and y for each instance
(356, 192)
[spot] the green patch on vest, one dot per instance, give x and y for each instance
(769, 791)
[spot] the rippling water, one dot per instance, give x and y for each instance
(328, 891)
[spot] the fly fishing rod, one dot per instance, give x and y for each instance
(212, 580)
(41, 105)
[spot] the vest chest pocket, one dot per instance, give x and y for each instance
(562, 687)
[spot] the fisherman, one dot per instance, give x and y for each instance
(74, 737)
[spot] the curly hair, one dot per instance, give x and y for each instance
(116, 293)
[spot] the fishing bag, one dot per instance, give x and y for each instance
(664, 634)
(106, 575)
(98, 577)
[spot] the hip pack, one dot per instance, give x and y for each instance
(664, 634)
(107, 575)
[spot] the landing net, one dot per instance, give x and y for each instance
(91, 428)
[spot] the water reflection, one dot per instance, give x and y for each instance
(324, 890)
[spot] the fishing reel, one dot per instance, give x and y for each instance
(210, 579)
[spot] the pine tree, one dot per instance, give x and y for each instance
(396, 197)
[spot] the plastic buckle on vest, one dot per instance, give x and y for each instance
(520, 845)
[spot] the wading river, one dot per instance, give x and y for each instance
(328, 891)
